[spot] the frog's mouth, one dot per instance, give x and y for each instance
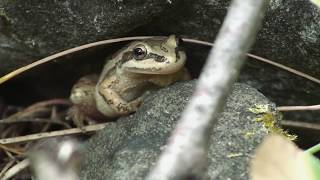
(150, 66)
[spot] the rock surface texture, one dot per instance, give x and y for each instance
(33, 29)
(290, 35)
(127, 148)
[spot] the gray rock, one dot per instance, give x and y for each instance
(127, 148)
(32, 29)
(290, 32)
(35, 28)
(290, 35)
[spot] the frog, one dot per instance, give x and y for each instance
(138, 67)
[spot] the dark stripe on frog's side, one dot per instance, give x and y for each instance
(156, 57)
(129, 55)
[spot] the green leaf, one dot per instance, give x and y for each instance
(278, 158)
(316, 2)
(312, 166)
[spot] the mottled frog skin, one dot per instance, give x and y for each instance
(136, 68)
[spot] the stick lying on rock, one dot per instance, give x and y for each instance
(186, 152)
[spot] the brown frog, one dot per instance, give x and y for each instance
(136, 68)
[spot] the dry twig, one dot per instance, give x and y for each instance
(186, 152)
(298, 124)
(63, 53)
(6, 167)
(110, 41)
(38, 108)
(299, 108)
(38, 136)
(15, 169)
(265, 60)
(10, 155)
(13, 150)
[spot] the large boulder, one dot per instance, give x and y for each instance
(289, 35)
(34, 29)
(126, 149)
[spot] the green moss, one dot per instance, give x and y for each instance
(249, 134)
(269, 120)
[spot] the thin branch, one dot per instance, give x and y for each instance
(186, 152)
(110, 41)
(63, 53)
(38, 136)
(13, 150)
(299, 108)
(36, 120)
(286, 68)
(6, 167)
(32, 110)
(10, 155)
(16, 169)
(298, 124)
(265, 60)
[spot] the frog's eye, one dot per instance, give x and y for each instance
(139, 52)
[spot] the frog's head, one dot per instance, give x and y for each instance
(154, 56)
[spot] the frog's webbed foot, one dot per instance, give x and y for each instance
(78, 118)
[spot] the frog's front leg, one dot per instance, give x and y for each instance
(117, 106)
